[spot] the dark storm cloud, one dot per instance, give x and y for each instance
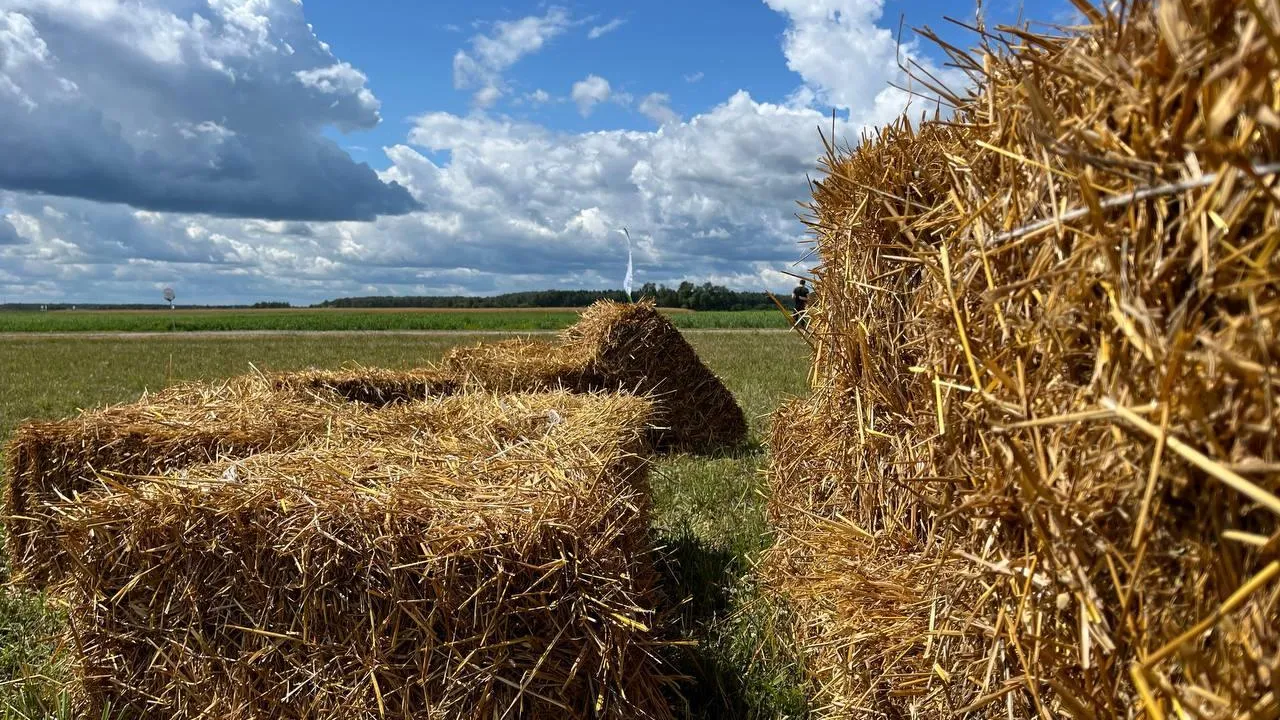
(176, 106)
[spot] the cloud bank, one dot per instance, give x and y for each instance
(470, 203)
(217, 110)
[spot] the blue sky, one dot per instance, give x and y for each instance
(246, 150)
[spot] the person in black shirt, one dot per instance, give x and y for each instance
(800, 298)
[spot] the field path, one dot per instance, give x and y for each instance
(243, 334)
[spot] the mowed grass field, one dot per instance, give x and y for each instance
(314, 319)
(709, 511)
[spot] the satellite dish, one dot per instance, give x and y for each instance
(169, 295)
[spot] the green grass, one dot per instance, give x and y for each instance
(339, 319)
(708, 511)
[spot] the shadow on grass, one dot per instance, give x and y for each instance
(747, 448)
(733, 669)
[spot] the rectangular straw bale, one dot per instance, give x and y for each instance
(497, 568)
(1044, 478)
(619, 346)
(51, 462)
(523, 365)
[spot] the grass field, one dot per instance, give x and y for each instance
(342, 319)
(709, 511)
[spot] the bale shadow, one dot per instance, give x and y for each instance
(699, 581)
(696, 576)
(745, 449)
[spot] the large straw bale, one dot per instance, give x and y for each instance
(1038, 474)
(51, 462)
(618, 346)
(492, 568)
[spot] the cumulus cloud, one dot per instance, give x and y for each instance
(657, 107)
(8, 233)
(507, 204)
(589, 92)
(214, 107)
(516, 206)
(481, 67)
(714, 193)
(826, 38)
(340, 79)
(600, 31)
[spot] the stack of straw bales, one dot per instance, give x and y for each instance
(471, 557)
(1038, 474)
(614, 347)
(617, 346)
(52, 462)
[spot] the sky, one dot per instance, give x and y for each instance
(250, 150)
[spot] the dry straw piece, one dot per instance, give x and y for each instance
(618, 346)
(475, 557)
(52, 462)
(1038, 474)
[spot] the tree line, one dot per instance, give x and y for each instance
(686, 295)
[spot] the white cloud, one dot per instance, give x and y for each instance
(589, 92)
(8, 233)
(216, 106)
(602, 30)
(657, 107)
(517, 206)
(482, 67)
(694, 77)
(20, 47)
(509, 204)
(593, 222)
(485, 97)
(340, 79)
(828, 37)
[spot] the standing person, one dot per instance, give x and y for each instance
(800, 298)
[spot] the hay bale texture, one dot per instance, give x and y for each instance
(373, 386)
(618, 346)
(1038, 473)
(53, 462)
(465, 558)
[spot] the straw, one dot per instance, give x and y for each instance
(1036, 476)
(473, 557)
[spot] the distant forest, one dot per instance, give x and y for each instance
(687, 295)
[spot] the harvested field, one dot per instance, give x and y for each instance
(464, 558)
(192, 320)
(708, 511)
(707, 516)
(615, 346)
(1038, 473)
(612, 347)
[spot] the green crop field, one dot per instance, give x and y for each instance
(342, 319)
(709, 511)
